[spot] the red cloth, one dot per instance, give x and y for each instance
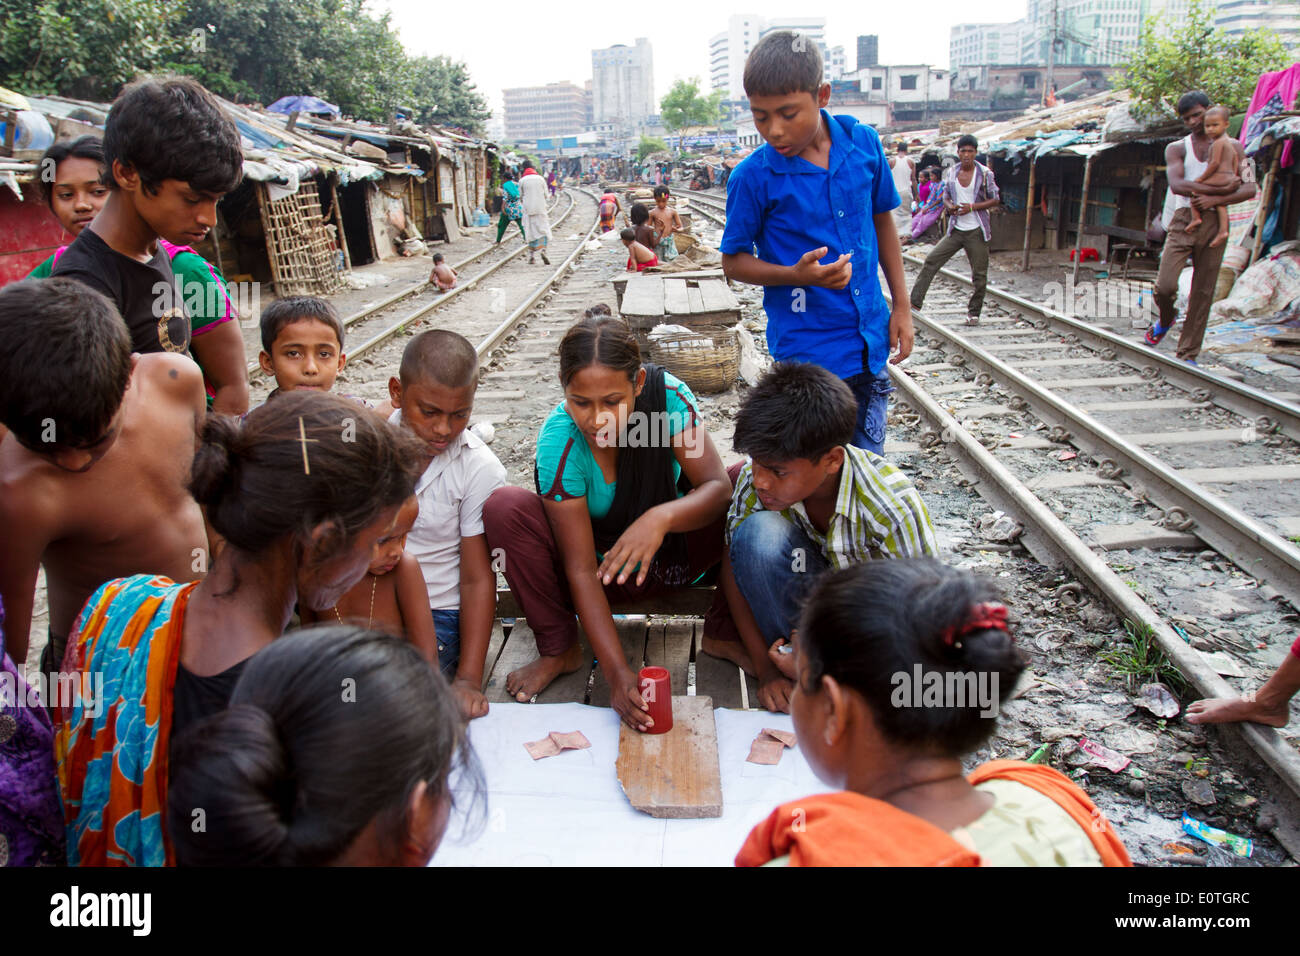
(643, 266)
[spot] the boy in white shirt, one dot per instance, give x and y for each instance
(434, 396)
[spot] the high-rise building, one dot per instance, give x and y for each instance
(835, 64)
(1279, 17)
(984, 44)
(1090, 31)
(622, 85)
(868, 51)
(728, 50)
(556, 109)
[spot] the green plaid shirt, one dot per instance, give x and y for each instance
(878, 513)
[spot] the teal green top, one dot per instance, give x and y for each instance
(44, 269)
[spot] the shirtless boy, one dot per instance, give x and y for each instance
(443, 275)
(95, 468)
(1222, 168)
(666, 222)
(639, 258)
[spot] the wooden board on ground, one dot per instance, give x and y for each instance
(674, 775)
(720, 680)
(520, 649)
(676, 302)
(649, 300)
(669, 645)
(620, 282)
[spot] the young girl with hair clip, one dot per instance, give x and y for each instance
(337, 750)
(632, 500)
(300, 494)
(900, 667)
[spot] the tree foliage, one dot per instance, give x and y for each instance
(685, 106)
(1171, 59)
(248, 50)
(648, 145)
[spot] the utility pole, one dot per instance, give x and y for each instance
(1051, 50)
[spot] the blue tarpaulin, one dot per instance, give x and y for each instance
(302, 104)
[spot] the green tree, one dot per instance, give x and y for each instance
(685, 106)
(1171, 59)
(648, 145)
(442, 92)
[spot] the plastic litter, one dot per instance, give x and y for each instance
(1158, 699)
(1112, 760)
(1240, 845)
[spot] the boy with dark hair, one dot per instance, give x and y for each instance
(94, 472)
(443, 275)
(807, 500)
(302, 344)
(815, 201)
(639, 256)
(666, 222)
(433, 396)
(641, 228)
(969, 191)
(170, 153)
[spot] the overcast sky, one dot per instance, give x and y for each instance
(509, 43)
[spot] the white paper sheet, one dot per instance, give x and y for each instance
(569, 810)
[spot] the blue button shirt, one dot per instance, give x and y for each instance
(779, 207)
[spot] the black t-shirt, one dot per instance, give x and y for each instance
(144, 292)
(195, 697)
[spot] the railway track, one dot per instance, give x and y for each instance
(1062, 425)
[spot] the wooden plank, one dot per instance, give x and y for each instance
(675, 299)
(632, 636)
(674, 775)
(495, 644)
(679, 602)
(521, 649)
(717, 296)
(669, 646)
(644, 296)
(720, 680)
(696, 300)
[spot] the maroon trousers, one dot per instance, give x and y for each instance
(515, 521)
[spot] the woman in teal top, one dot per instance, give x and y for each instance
(75, 192)
(632, 499)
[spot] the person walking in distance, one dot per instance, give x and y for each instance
(537, 225)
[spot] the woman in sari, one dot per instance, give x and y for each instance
(299, 493)
(609, 207)
(899, 669)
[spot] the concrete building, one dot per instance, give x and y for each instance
(728, 50)
(868, 51)
(977, 44)
(622, 84)
(836, 64)
(556, 109)
(1090, 31)
(1279, 17)
(895, 94)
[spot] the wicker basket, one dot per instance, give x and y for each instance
(707, 360)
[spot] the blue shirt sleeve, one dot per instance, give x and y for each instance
(744, 213)
(884, 197)
(561, 457)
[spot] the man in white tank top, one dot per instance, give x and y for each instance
(1185, 160)
(904, 171)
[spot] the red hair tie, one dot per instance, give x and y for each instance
(984, 617)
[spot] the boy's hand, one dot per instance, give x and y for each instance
(774, 692)
(808, 271)
(628, 703)
(901, 334)
(469, 699)
(783, 662)
(637, 545)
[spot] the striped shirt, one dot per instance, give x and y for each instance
(878, 513)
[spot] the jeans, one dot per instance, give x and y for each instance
(872, 393)
(774, 563)
(446, 625)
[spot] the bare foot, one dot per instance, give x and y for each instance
(532, 679)
(1229, 710)
(732, 651)
(1191, 226)
(1219, 240)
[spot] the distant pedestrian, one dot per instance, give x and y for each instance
(609, 209)
(512, 208)
(969, 192)
(904, 172)
(1185, 160)
(537, 225)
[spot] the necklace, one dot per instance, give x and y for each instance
(374, 581)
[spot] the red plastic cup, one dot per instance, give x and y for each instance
(656, 690)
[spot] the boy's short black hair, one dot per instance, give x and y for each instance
(65, 359)
(783, 62)
(660, 191)
(437, 257)
(281, 312)
(968, 140)
(797, 410)
(172, 128)
(1190, 100)
(441, 357)
(639, 214)
(83, 147)
(628, 234)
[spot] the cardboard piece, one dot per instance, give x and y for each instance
(674, 775)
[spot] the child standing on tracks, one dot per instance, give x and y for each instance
(806, 500)
(873, 643)
(433, 396)
(644, 232)
(666, 222)
(443, 275)
(969, 192)
(816, 203)
(639, 256)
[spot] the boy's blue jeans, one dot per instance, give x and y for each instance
(446, 626)
(774, 563)
(872, 393)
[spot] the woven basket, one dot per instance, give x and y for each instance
(707, 360)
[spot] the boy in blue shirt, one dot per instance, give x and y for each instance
(814, 202)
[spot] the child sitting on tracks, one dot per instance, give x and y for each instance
(901, 667)
(443, 275)
(639, 256)
(433, 396)
(806, 500)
